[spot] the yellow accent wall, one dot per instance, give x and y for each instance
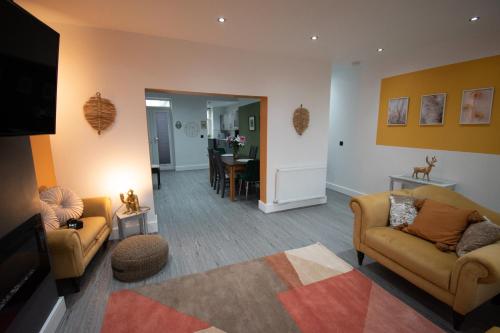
(450, 79)
(42, 158)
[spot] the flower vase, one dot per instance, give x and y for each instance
(236, 149)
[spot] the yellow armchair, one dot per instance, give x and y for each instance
(72, 250)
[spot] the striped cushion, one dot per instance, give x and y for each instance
(49, 217)
(65, 203)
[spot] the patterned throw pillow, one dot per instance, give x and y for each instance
(49, 217)
(65, 203)
(478, 235)
(402, 211)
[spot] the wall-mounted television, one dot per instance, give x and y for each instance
(29, 52)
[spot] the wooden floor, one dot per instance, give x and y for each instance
(205, 231)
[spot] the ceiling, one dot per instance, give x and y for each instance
(347, 29)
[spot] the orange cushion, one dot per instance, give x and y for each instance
(440, 223)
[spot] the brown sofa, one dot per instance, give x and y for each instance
(463, 283)
(71, 250)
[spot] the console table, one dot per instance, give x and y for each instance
(406, 179)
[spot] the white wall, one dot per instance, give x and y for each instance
(362, 166)
(190, 152)
(121, 65)
(217, 111)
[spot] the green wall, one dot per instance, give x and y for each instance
(252, 136)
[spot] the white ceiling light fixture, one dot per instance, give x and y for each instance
(474, 19)
(380, 49)
(221, 19)
(315, 37)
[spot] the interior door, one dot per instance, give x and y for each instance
(161, 147)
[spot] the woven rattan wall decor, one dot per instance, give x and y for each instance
(301, 119)
(99, 112)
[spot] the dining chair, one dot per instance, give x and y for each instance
(211, 166)
(250, 176)
(222, 179)
(253, 152)
(221, 150)
(250, 151)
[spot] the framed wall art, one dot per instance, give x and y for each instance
(432, 109)
(251, 123)
(397, 112)
(476, 106)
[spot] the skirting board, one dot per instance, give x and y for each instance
(276, 207)
(55, 317)
(132, 227)
(191, 167)
(344, 190)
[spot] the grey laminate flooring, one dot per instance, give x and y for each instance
(205, 231)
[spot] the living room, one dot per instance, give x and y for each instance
(337, 126)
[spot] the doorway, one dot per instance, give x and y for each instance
(161, 140)
(203, 128)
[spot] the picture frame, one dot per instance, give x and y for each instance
(251, 123)
(397, 111)
(432, 109)
(477, 106)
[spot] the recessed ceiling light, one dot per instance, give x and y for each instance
(314, 37)
(474, 19)
(221, 19)
(380, 49)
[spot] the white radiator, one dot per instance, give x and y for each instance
(299, 183)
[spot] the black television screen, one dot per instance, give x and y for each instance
(29, 51)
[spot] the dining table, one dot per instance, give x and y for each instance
(233, 166)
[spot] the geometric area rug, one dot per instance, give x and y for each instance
(307, 290)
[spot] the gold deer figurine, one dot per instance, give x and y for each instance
(425, 170)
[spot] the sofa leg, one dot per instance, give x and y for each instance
(76, 284)
(458, 319)
(105, 244)
(361, 256)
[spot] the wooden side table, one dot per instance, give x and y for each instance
(141, 216)
(405, 179)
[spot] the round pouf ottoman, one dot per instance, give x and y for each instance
(138, 257)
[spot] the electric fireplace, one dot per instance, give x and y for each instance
(24, 263)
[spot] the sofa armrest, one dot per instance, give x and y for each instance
(369, 211)
(66, 252)
(98, 206)
(476, 278)
(487, 261)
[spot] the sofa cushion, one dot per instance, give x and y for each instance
(440, 223)
(478, 235)
(403, 210)
(415, 254)
(65, 203)
(49, 217)
(92, 227)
